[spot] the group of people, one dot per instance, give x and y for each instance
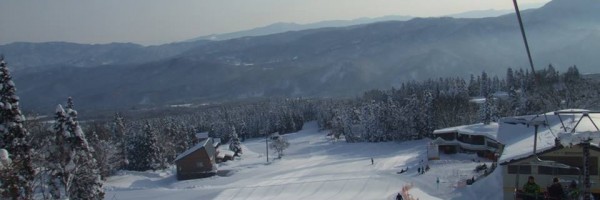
(531, 190)
(422, 169)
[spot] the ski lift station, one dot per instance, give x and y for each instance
(563, 144)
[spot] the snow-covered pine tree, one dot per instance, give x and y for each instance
(234, 144)
(485, 85)
(488, 110)
(119, 139)
(17, 182)
(144, 152)
(510, 79)
(105, 151)
(474, 85)
(428, 115)
(87, 180)
(74, 172)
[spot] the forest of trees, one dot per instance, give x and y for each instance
(415, 109)
(68, 158)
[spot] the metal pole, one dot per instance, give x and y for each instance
(267, 145)
(561, 121)
(535, 139)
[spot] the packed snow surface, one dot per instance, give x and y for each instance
(317, 167)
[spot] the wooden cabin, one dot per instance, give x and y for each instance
(198, 161)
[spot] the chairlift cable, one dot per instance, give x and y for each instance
(525, 39)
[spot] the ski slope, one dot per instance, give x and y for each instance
(316, 167)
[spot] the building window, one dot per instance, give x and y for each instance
(447, 136)
(199, 164)
(492, 144)
(556, 171)
(573, 161)
(522, 169)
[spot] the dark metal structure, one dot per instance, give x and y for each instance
(585, 144)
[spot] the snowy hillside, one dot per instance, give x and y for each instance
(315, 167)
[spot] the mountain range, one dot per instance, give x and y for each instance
(323, 62)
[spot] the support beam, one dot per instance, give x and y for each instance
(586, 170)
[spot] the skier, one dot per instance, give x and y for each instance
(399, 196)
(372, 161)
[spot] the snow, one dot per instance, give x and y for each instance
(202, 135)
(187, 105)
(316, 167)
(478, 100)
(4, 159)
(59, 109)
(490, 130)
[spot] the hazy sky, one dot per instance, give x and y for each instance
(163, 21)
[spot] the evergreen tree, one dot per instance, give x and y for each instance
(120, 140)
(16, 183)
(73, 170)
(234, 144)
(474, 85)
(485, 85)
(510, 79)
(144, 151)
(428, 115)
(489, 110)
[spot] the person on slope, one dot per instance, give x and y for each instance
(399, 196)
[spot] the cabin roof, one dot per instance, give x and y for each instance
(208, 141)
(490, 130)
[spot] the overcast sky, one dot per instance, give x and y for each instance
(163, 21)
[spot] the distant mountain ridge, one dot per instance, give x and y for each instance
(282, 27)
(329, 62)
(31, 56)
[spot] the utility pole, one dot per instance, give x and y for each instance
(267, 145)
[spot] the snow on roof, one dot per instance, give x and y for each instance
(489, 130)
(191, 150)
(216, 141)
(224, 152)
(478, 100)
(518, 138)
(202, 135)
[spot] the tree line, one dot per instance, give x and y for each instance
(65, 158)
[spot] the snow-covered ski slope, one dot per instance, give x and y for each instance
(316, 168)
